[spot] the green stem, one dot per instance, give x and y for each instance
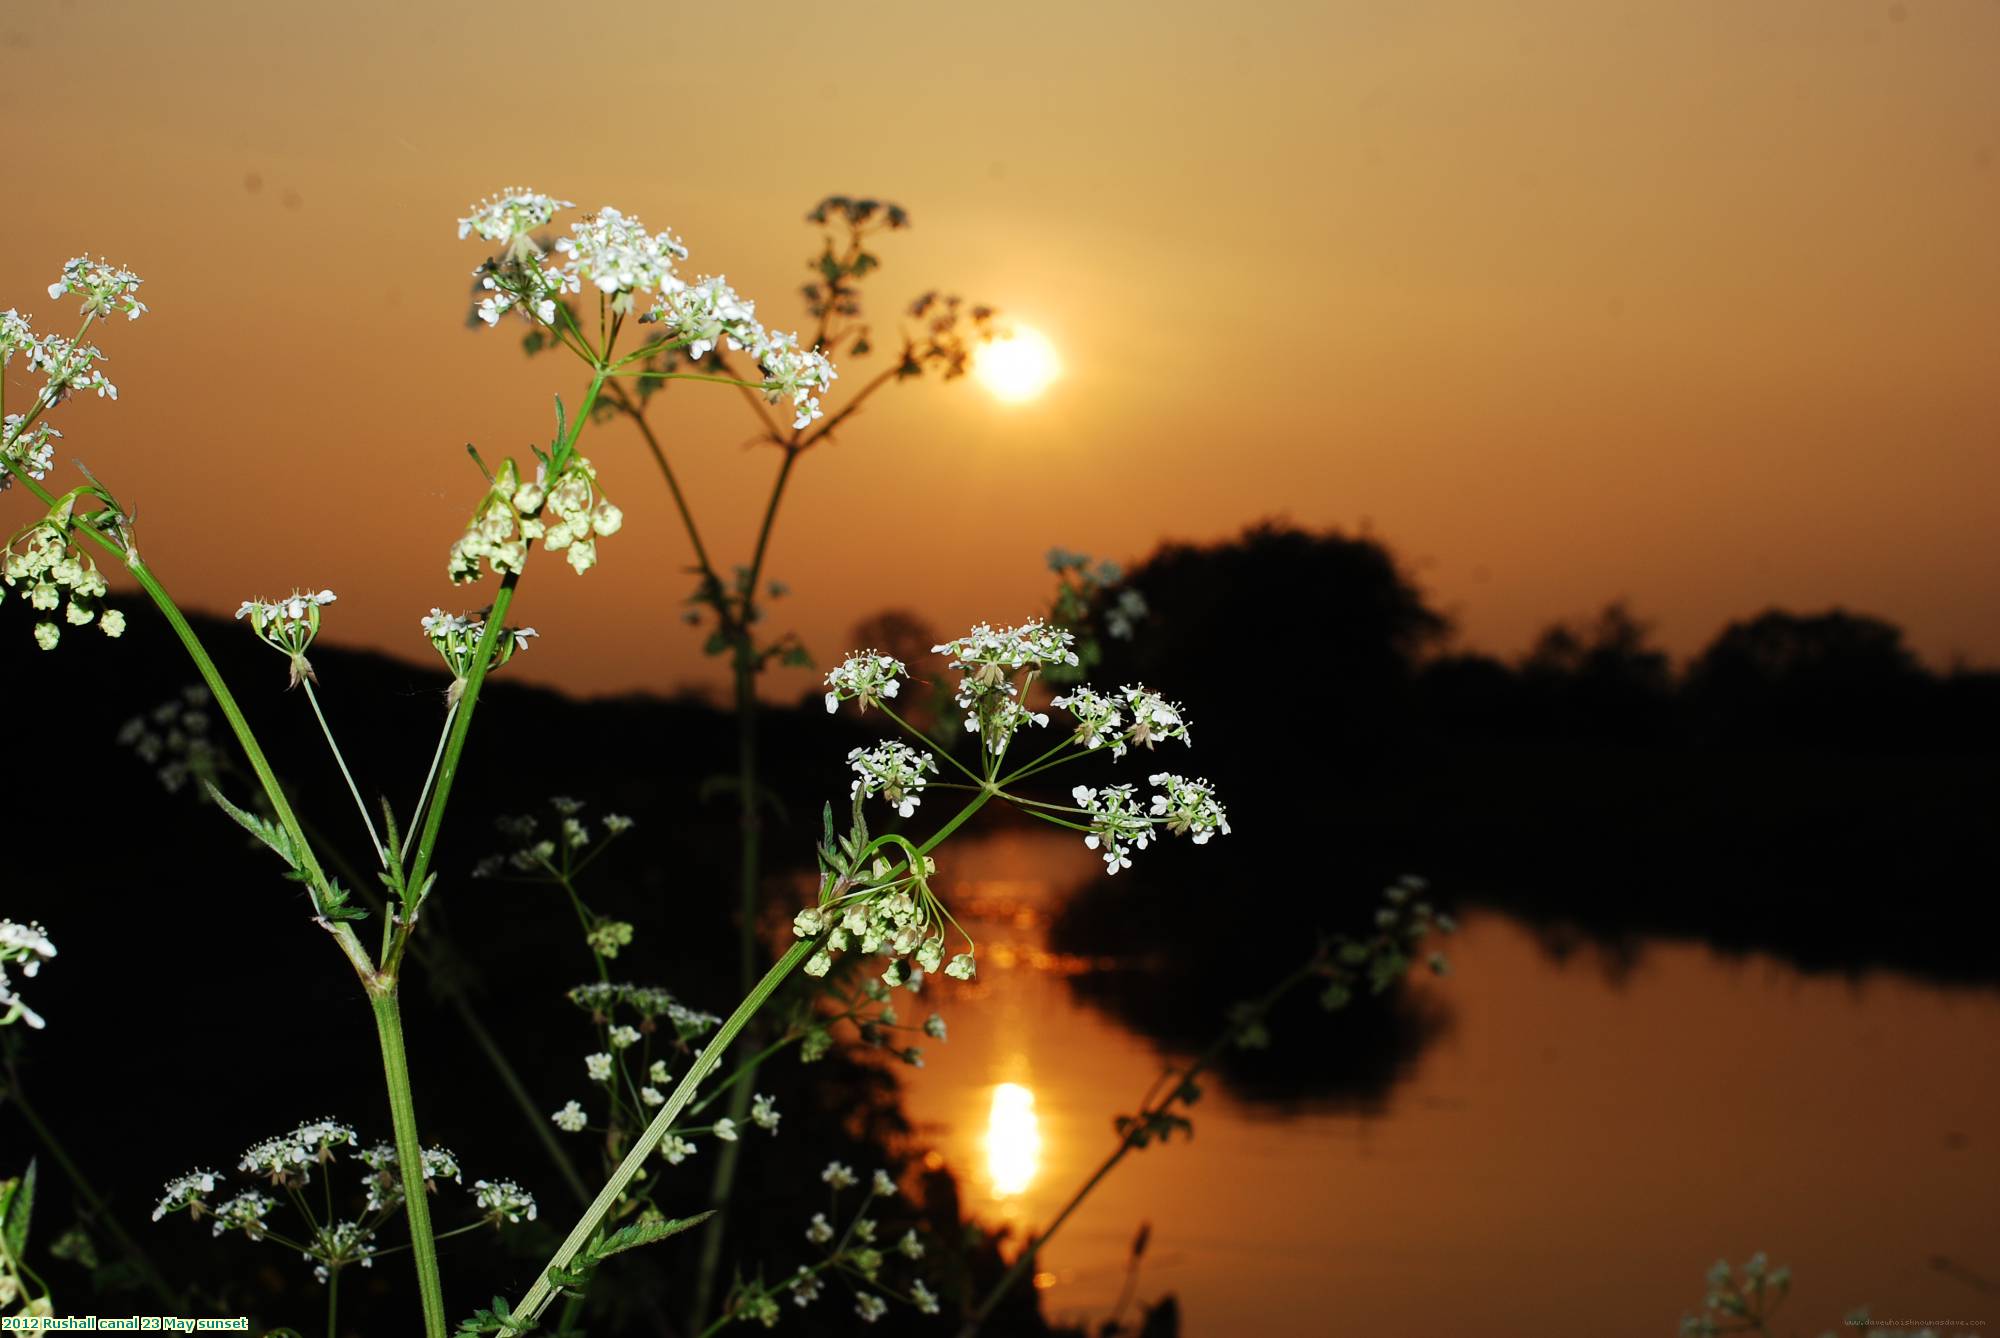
(381, 851)
(332, 1303)
(542, 1292)
(409, 1154)
(482, 659)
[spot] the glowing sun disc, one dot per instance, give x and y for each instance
(1019, 366)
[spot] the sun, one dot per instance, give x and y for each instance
(1018, 366)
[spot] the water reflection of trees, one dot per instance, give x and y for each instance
(1804, 786)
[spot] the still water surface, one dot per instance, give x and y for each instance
(1584, 1139)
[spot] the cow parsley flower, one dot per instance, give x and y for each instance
(925, 1299)
(911, 1246)
(676, 1149)
(883, 1186)
(789, 370)
(1154, 718)
(185, 1191)
(893, 770)
(510, 216)
(866, 676)
(989, 654)
(104, 287)
(504, 1201)
(1116, 824)
(570, 1119)
(246, 1213)
(619, 257)
(455, 637)
(598, 1067)
(1189, 807)
(32, 448)
(839, 1175)
(819, 1231)
(764, 1113)
(708, 312)
(289, 625)
(1098, 718)
(870, 1308)
(70, 368)
(805, 1286)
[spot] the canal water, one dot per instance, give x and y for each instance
(1588, 1133)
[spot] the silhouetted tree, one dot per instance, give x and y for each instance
(1834, 678)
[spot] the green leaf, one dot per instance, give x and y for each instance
(20, 1206)
(263, 829)
(646, 1233)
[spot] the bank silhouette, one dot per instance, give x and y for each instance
(1802, 787)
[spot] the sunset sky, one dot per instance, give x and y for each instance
(1695, 304)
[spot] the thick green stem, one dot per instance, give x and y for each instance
(543, 1292)
(409, 1154)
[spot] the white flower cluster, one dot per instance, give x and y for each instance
(511, 516)
(46, 561)
(887, 915)
(32, 448)
(709, 312)
(1135, 716)
(105, 287)
(330, 1245)
(1118, 825)
(989, 657)
(536, 855)
(455, 637)
(893, 770)
(289, 625)
(503, 1201)
(510, 216)
(615, 254)
(866, 676)
(26, 946)
(383, 1179)
(185, 1191)
(336, 1245)
(176, 737)
(284, 1159)
(852, 1250)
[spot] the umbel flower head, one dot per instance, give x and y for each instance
(25, 947)
(105, 287)
(893, 770)
(289, 625)
(455, 637)
(866, 676)
(614, 254)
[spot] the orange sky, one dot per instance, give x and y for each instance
(1695, 303)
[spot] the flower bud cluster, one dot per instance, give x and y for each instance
(511, 515)
(45, 561)
(882, 913)
(26, 947)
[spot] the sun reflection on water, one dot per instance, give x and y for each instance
(1013, 1140)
